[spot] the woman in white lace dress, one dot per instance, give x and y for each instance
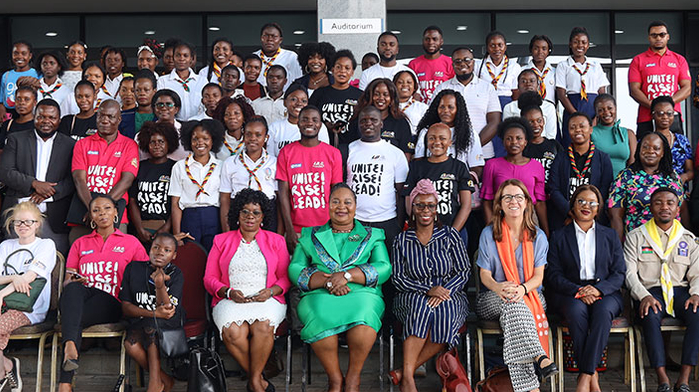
(246, 273)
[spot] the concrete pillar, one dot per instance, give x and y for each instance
(353, 25)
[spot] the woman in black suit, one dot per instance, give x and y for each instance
(585, 272)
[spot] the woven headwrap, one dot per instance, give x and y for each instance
(423, 187)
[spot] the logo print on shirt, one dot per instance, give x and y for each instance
(319, 164)
(86, 252)
(447, 176)
(118, 249)
(376, 157)
(650, 65)
(134, 162)
(90, 152)
(672, 65)
(117, 154)
(388, 134)
(296, 165)
(439, 74)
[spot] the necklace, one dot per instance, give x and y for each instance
(316, 82)
(343, 231)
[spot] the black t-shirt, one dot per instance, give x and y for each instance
(544, 153)
(449, 177)
(150, 187)
(14, 127)
(575, 182)
(138, 288)
(78, 128)
(395, 131)
(337, 105)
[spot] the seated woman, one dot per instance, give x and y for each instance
(430, 271)
(247, 275)
(339, 268)
(512, 257)
(152, 289)
(586, 269)
(25, 220)
(94, 269)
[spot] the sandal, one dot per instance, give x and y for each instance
(393, 376)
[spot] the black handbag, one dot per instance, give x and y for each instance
(206, 371)
(21, 301)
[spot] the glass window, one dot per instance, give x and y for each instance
(631, 32)
(460, 29)
(45, 32)
(128, 32)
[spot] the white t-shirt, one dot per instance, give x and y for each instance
(414, 110)
(235, 177)
(200, 116)
(569, 79)
(112, 85)
(191, 97)
(70, 105)
(287, 59)
(549, 79)
(44, 251)
(481, 99)
(373, 169)
(507, 82)
(283, 132)
(550, 116)
(472, 158)
(377, 71)
(186, 190)
(59, 94)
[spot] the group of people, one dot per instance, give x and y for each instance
(339, 204)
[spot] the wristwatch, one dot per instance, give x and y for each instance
(347, 276)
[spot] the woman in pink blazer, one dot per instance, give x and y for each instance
(246, 273)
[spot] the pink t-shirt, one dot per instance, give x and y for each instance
(105, 163)
(498, 170)
(103, 263)
(310, 172)
(431, 73)
(658, 75)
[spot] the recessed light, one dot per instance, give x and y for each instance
(149, 32)
(593, 45)
(299, 32)
(618, 31)
(523, 31)
(395, 32)
(461, 28)
(214, 28)
(508, 44)
(51, 34)
(298, 44)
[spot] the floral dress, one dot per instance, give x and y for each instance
(681, 151)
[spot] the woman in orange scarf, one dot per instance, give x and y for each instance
(512, 257)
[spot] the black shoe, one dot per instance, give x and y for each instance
(270, 386)
(548, 371)
(14, 377)
(682, 388)
(4, 382)
(70, 365)
(664, 387)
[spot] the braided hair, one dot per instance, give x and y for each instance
(462, 122)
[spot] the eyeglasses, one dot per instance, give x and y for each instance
(669, 113)
(247, 212)
(462, 61)
(508, 198)
(583, 203)
(161, 105)
(423, 207)
(658, 35)
(26, 222)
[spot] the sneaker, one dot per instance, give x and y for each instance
(3, 383)
(664, 387)
(14, 377)
(682, 388)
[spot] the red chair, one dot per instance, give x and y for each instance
(191, 259)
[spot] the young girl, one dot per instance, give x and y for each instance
(451, 179)
(95, 74)
(540, 47)
(497, 68)
(232, 113)
(77, 54)
(25, 220)
(255, 168)
(83, 124)
(221, 53)
(127, 126)
(144, 88)
(407, 85)
(578, 80)
(540, 148)
(195, 181)
(147, 56)
(25, 102)
(210, 95)
(51, 66)
(152, 289)
(22, 62)
(286, 131)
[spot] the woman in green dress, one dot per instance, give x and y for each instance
(610, 137)
(339, 268)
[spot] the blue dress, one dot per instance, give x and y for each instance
(681, 151)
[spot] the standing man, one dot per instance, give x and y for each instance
(432, 68)
(655, 72)
(35, 166)
(272, 53)
(271, 105)
(387, 67)
(662, 273)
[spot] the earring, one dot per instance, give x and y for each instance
(116, 219)
(93, 225)
(435, 218)
(307, 69)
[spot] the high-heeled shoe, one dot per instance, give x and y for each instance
(70, 365)
(393, 375)
(548, 371)
(270, 386)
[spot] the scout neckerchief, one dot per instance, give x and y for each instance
(541, 76)
(252, 172)
(104, 90)
(195, 182)
(237, 148)
(184, 83)
(650, 231)
(583, 90)
(508, 259)
(580, 174)
(217, 71)
(48, 94)
(268, 62)
(410, 102)
(496, 79)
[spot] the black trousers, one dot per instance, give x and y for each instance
(82, 307)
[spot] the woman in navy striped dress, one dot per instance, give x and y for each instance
(430, 271)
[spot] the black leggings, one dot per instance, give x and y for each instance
(82, 307)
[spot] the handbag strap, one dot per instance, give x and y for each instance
(6, 264)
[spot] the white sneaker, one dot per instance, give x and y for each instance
(14, 376)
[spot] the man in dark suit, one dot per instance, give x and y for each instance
(35, 166)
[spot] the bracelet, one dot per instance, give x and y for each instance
(525, 288)
(228, 293)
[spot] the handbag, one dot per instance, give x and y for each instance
(497, 380)
(452, 372)
(206, 371)
(22, 301)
